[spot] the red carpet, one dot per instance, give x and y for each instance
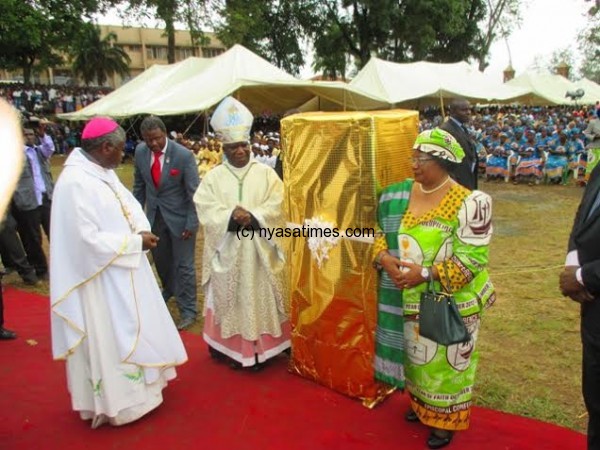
(210, 406)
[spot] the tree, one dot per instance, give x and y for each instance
(97, 58)
(273, 30)
(330, 59)
(502, 16)
(364, 25)
(36, 32)
(589, 45)
(192, 13)
(450, 29)
(344, 31)
(407, 30)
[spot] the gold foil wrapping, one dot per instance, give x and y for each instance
(334, 166)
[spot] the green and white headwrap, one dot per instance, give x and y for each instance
(441, 144)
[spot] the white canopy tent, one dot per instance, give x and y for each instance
(424, 83)
(548, 89)
(198, 84)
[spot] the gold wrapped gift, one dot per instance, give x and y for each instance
(335, 164)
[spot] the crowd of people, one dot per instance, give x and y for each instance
(530, 144)
(50, 99)
(109, 317)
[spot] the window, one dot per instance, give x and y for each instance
(155, 52)
(135, 48)
(210, 52)
(183, 53)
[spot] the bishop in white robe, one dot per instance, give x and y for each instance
(109, 320)
(242, 270)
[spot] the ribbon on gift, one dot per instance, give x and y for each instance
(319, 243)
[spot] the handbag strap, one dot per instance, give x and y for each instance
(446, 287)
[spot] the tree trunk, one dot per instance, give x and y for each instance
(27, 70)
(170, 42)
(166, 11)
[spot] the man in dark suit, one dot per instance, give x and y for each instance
(165, 181)
(32, 198)
(464, 173)
(12, 253)
(580, 280)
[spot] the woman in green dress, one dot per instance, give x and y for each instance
(432, 227)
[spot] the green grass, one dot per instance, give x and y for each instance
(530, 350)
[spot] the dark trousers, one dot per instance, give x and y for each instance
(29, 226)
(174, 259)
(11, 249)
(45, 215)
(590, 336)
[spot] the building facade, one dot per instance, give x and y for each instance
(145, 47)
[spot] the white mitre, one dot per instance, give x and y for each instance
(232, 121)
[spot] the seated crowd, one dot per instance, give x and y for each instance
(529, 144)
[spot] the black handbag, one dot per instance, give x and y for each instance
(439, 319)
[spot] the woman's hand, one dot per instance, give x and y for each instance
(411, 275)
(391, 265)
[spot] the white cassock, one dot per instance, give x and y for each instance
(243, 278)
(109, 319)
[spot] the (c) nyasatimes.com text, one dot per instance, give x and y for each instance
(305, 232)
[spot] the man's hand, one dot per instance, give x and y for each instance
(149, 240)
(186, 234)
(570, 287)
(241, 216)
(582, 297)
(42, 129)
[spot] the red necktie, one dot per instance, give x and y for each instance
(155, 170)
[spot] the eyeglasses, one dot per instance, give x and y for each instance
(420, 161)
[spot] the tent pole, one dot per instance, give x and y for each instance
(442, 106)
(190, 126)
(132, 124)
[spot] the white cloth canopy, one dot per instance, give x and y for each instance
(198, 84)
(549, 89)
(422, 83)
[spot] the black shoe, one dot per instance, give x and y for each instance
(42, 275)
(434, 441)
(30, 279)
(235, 365)
(215, 354)
(411, 416)
(258, 366)
(6, 335)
